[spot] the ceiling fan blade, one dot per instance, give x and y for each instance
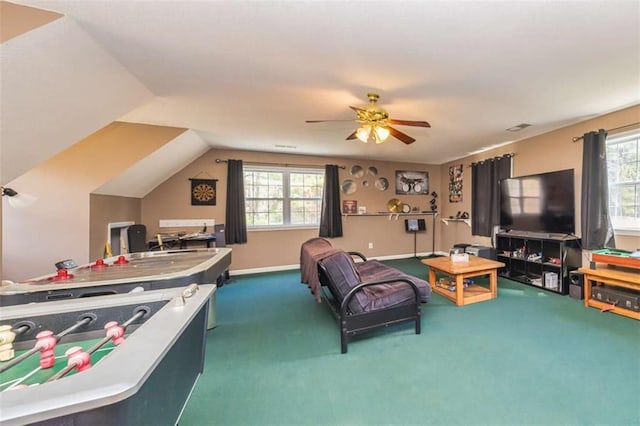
(409, 123)
(351, 136)
(357, 109)
(402, 136)
(323, 121)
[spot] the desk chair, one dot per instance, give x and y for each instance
(137, 235)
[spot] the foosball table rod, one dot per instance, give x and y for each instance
(79, 360)
(45, 344)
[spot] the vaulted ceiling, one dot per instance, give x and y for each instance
(246, 75)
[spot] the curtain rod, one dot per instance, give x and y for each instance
(280, 164)
(577, 138)
(507, 155)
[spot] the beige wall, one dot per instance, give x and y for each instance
(272, 248)
(105, 209)
(548, 152)
(56, 226)
(16, 19)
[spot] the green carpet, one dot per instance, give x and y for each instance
(528, 357)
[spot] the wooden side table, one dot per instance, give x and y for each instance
(614, 277)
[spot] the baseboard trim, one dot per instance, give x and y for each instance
(279, 268)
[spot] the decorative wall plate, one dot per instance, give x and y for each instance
(382, 184)
(373, 171)
(348, 186)
(357, 171)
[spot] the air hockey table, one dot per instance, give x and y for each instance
(145, 379)
(122, 274)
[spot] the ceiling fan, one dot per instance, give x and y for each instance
(375, 123)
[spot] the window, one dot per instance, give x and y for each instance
(282, 197)
(623, 167)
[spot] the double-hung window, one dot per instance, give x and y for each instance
(281, 197)
(623, 167)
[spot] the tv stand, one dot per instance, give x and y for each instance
(539, 259)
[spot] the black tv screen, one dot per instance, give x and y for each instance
(539, 203)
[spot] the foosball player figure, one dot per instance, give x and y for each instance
(46, 343)
(115, 331)
(6, 343)
(77, 357)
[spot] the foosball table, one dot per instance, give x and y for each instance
(117, 359)
(121, 274)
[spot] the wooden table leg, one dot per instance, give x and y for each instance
(493, 283)
(432, 276)
(459, 290)
(587, 290)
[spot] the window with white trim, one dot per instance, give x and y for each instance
(277, 197)
(623, 167)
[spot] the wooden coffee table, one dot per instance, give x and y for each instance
(475, 267)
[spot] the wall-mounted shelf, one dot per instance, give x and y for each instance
(447, 220)
(389, 215)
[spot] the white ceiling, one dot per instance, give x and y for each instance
(246, 75)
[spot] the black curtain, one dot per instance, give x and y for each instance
(330, 215)
(235, 216)
(597, 231)
(485, 193)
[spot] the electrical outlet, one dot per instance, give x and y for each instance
(370, 245)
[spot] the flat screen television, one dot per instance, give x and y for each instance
(539, 203)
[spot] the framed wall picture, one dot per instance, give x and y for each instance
(455, 184)
(412, 183)
(350, 206)
(203, 192)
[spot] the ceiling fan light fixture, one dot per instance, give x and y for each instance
(381, 134)
(375, 124)
(363, 133)
(373, 133)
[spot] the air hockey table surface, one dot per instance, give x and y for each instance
(145, 380)
(122, 274)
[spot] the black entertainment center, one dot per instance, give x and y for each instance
(541, 261)
(537, 220)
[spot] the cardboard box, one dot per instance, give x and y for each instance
(460, 257)
(551, 280)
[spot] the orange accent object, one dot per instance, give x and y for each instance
(607, 308)
(121, 260)
(615, 257)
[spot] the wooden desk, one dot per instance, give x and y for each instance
(615, 277)
(182, 242)
(476, 266)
